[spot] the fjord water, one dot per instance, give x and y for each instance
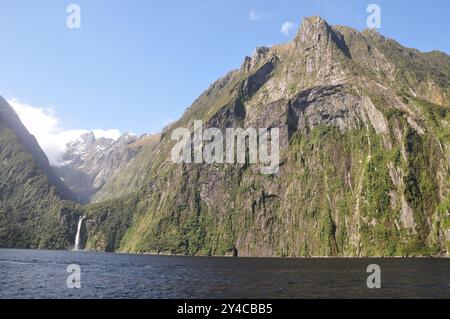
(42, 274)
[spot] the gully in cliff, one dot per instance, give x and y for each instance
(190, 148)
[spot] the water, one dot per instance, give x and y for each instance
(77, 237)
(42, 274)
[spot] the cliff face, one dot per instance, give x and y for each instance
(365, 155)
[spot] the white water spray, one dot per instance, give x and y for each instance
(77, 238)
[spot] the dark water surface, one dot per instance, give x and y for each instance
(42, 274)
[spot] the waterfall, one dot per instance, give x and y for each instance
(77, 238)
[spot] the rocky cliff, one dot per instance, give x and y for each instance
(365, 147)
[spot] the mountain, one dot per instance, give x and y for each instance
(134, 170)
(90, 163)
(35, 211)
(11, 121)
(365, 155)
(79, 169)
(364, 169)
(91, 166)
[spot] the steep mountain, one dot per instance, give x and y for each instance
(134, 170)
(365, 155)
(33, 212)
(11, 121)
(91, 164)
(79, 169)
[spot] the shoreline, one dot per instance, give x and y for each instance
(443, 257)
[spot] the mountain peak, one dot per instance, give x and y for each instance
(314, 20)
(88, 137)
(313, 31)
(127, 138)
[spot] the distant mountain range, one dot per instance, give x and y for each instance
(365, 163)
(90, 163)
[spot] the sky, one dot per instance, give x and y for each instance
(136, 65)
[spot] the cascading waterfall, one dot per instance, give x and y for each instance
(77, 238)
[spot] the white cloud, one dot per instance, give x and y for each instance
(257, 15)
(113, 134)
(49, 131)
(287, 27)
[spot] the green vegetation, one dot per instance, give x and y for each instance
(355, 180)
(31, 213)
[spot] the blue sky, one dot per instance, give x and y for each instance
(135, 65)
